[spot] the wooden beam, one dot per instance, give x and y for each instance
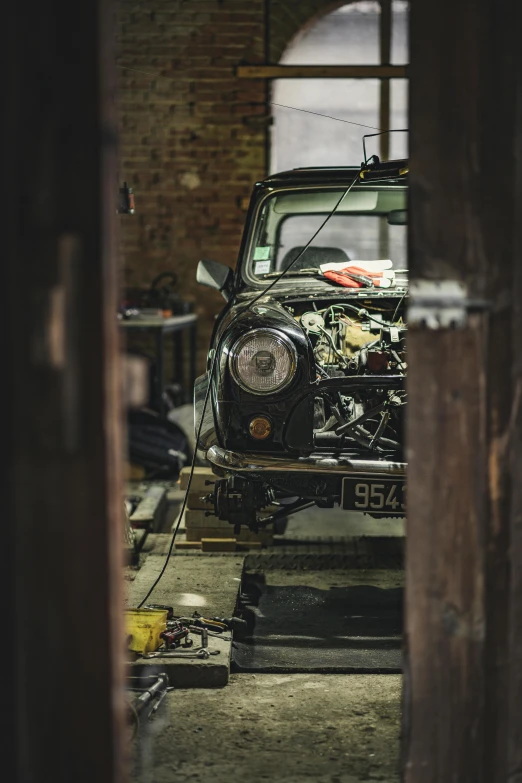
(514, 455)
(63, 539)
(322, 72)
(464, 385)
(385, 32)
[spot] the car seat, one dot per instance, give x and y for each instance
(313, 257)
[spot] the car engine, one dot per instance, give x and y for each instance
(362, 345)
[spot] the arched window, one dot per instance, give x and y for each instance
(359, 33)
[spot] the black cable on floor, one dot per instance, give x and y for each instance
(192, 466)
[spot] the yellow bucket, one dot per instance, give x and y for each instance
(144, 627)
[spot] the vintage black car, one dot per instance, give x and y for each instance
(307, 373)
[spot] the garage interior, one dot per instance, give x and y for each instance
(328, 645)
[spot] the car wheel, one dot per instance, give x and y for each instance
(280, 526)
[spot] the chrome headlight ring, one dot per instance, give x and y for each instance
(259, 355)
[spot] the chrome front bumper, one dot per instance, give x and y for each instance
(234, 462)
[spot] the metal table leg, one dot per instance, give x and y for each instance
(192, 377)
(178, 361)
(160, 372)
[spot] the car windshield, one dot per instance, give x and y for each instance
(360, 230)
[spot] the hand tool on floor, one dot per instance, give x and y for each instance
(231, 623)
(173, 636)
(195, 629)
(152, 694)
(203, 653)
(218, 624)
(158, 702)
(205, 622)
(156, 689)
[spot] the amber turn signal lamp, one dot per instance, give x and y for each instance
(260, 428)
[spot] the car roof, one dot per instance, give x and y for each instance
(324, 175)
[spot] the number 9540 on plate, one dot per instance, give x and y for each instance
(383, 496)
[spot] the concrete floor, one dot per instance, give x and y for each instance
(337, 523)
(285, 728)
(326, 728)
(207, 583)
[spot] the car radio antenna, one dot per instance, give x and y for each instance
(375, 158)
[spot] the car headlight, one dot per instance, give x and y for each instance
(263, 361)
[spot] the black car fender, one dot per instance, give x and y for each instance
(233, 406)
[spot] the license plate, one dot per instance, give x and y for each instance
(386, 496)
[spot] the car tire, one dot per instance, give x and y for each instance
(280, 526)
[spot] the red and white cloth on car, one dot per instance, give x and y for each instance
(361, 274)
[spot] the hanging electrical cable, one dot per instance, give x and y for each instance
(191, 474)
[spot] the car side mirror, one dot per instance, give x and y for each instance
(215, 275)
(398, 217)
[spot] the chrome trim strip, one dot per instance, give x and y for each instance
(257, 463)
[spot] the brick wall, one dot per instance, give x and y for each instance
(289, 17)
(193, 137)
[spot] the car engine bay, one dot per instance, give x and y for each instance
(362, 342)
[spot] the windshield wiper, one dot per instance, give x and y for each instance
(309, 271)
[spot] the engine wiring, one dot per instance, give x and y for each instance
(331, 343)
(365, 419)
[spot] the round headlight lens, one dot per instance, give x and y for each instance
(263, 361)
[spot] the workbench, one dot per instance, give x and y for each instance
(160, 327)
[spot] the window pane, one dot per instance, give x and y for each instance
(358, 238)
(399, 44)
(300, 139)
(358, 231)
(399, 117)
(348, 36)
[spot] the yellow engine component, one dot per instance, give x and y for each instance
(355, 338)
(144, 627)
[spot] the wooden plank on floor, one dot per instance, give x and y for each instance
(199, 582)
(218, 544)
(203, 517)
(195, 518)
(187, 544)
(196, 534)
(151, 509)
(195, 500)
(200, 479)
(194, 581)
(212, 672)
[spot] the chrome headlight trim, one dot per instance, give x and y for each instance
(282, 339)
